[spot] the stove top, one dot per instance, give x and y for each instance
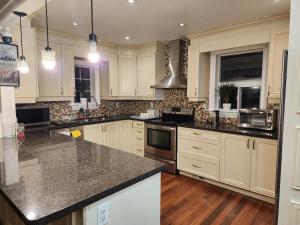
(173, 117)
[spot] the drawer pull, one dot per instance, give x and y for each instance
(199, 167)
(196, 133)
(140, 132)
(198, 148)
(139, 139)
(139, 150)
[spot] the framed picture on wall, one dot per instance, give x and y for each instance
(9, 75)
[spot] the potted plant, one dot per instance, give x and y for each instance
(226, 92)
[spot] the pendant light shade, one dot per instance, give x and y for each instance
(93, 56)
(22, 64)
(48, 55)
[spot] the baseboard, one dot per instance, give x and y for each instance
(231, 188)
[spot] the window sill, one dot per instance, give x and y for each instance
(77, 106)
(233, 113)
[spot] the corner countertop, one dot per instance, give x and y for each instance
(231, 129)
(51, 175)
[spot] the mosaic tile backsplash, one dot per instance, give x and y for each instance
(173, 97)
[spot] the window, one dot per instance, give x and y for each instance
(246, 69)
(84, 80)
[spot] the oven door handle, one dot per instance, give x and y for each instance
(161, 128)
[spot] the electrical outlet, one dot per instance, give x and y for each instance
(102, 214)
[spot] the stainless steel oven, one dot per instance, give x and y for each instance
(161, 140)
(161, 144)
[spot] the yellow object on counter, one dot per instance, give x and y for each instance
(76, 133)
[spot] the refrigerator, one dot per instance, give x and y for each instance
(280, 132)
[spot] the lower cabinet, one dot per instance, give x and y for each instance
(126, 135)
(235, 160)
(249, 163)
(245, 162)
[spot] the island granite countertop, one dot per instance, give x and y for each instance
(49, 176)
(231, 129)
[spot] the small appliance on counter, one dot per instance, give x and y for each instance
(161, 136)
(33, 115)
(150, 114)
(258, 119)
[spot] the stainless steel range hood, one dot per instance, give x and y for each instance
(175, 77)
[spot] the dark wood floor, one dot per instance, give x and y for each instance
(187, 201)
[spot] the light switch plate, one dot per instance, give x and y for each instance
(102, 214)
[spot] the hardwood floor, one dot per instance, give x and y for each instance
(187, 201)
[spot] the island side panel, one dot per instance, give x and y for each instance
(135, 205)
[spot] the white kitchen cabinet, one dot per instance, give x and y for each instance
(198, 74)
(59, 83)
(50, 82)
(263, 166)
(279, 42)
(112, 134)
(146, 75)
(27, 92)
(126, 135)
(95, 133)
(113, 75)
(127, 60)
(235, 160)
(68, 71)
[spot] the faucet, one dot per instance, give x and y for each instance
(87, 113)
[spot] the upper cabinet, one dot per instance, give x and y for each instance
(127, 72)
(130, 73)
(59, 83)
(198, 74)
(27, 92)
(278, 43)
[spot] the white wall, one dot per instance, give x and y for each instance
(292, 119)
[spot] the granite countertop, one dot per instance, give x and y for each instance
(49, 176)
(231, 129)
(93, 120)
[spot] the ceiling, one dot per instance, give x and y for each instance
(151, 20)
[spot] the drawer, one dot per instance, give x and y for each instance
(138, 124)
(203, 148)
(198, 167)
(199, 134)
(139, 150)
(139, 132)
(139, 141)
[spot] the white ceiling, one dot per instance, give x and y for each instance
(150, 20)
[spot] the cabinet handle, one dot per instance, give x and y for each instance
(195, 147)
(196, 92)
(248, 143)
(111, 91)
(61, 91)
(139, 150)
(253, 144)
(135, 92)
(139, 139)
(196, 133)
(199, 167)
(140, 132)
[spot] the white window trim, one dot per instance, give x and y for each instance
(95, 86)
(215, 74)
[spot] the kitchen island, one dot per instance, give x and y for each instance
(55, 179)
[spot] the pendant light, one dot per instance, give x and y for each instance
(93, 56)
(22, 64)
(48, 55)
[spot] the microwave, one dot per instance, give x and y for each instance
(258, 119)
(33, 115)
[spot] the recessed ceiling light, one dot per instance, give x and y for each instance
(75, 24)
(181, 24)
(131, 1)
(127, 38)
